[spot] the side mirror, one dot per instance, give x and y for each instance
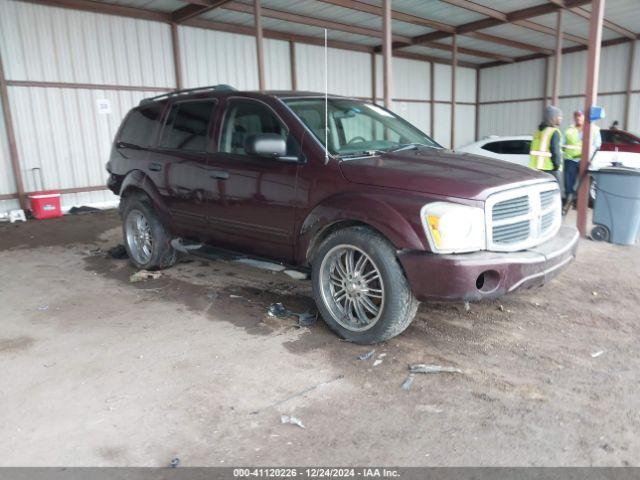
(268, 145)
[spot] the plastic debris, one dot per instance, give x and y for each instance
(83, 209)
(377, 362)
(175, 462)
(277, 310)
(597, 354)
(595, 294)
(17, 215)
(366, 356)
(406, 385)
(467, 306)
(235, 296)
(423, 368)
(118, 252)
(501, 308)
(43, 308)
(292, 420)
(142, 275)
(296, 274)
(305, 319)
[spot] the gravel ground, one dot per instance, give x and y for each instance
(100, 371)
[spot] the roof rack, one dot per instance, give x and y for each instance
(175, 93)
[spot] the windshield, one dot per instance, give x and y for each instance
(356, 127)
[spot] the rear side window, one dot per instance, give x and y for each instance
(516, 147)
(495, 147)
(509, 147)
(140, 125)
(187, 126)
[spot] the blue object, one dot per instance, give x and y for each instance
(596, 113)
(617, 207)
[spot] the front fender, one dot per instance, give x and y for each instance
(138, 180)
(398, 219)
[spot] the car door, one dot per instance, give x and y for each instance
(618, 146)
(182, 154)
(254, 209)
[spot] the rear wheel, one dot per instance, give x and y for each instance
(600, 233)
(360, 288)
(145, 237)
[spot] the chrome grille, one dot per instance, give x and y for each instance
(511, 208)
(523, 217)
(511, 233)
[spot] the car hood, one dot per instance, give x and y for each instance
(438, 172)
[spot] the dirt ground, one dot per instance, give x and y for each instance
(100, 371)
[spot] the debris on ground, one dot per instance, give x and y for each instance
(235, 296)
(95, 252)
(292, 420)
(175, 462)
(43, 308)
(594, 293)
(118, 252)
(597, 354)
(467, 306)
(367, 356)
(296, 274)
(83, 209)
(378, 360)
(501, 308)
(278, 310)
(406, 385)
(424, 368)
(142, 275)
(262, 264)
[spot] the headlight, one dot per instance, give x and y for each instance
(453, 228)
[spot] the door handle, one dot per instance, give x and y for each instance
(155, 167)
(219, 174)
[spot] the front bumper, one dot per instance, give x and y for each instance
(483, 275)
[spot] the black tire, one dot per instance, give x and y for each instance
(162, 255)
(397, 304)
(600, 233)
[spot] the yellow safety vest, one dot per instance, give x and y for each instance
(540, 151)
(573, 142)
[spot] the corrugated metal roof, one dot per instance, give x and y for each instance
(624, 13)
(489, 47)
(435, 10)
(156, 5)
(521, 34)
(574, 25)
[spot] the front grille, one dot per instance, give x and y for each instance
(523, 217)
(511, 233)
(511, 208)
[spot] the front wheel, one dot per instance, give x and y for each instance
(146, 240)
(360, 288)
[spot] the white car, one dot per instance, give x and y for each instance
(511, 149)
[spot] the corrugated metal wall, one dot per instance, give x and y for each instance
(118, 60)
(524, 81)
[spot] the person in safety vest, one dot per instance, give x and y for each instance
(546, 152)
(573, 149)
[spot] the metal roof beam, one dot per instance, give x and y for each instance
(423, 22)
(312, 21)
(496, 18)
(195, 8)
(586, 14)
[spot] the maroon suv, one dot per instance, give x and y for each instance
(384, 215)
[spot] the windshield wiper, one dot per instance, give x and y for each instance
(362, 153)
(409, 146)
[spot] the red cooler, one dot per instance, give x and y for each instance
(45, 204)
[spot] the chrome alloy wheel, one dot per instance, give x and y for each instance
(352, 287)
(139, 237)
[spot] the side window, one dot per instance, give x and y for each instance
(187, 126)
(141, 124)
(606, 135)
(495, 147)
(516, 147)
(246, 118)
